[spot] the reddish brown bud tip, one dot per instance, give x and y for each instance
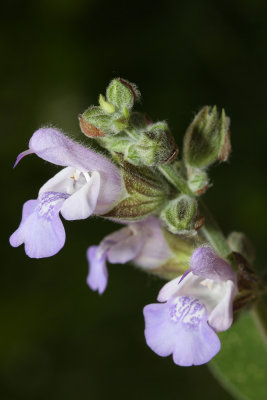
(89, 129)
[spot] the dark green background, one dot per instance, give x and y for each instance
(58, 340)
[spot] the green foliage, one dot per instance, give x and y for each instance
(241, 365)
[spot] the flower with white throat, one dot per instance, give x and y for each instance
(193, 308)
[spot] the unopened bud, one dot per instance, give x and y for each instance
(238, 242)
(154, 147)
(106, 106)
(181, 215)
(96, 121)
(198, 181)
(207, 139)
(122, 94)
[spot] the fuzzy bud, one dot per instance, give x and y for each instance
(122, 95)
(198, 181)
(181, 215)
(207, 139)
(96, 121)
(238, 242)
(154, 147)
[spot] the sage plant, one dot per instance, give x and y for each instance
(142, 182)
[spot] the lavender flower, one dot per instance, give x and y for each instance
(89, 184)
(193, 309)
(141, 242)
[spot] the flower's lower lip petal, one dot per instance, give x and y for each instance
(82, 204)
(44, 238)
(41, 228)
(196, 347)
(17, 238)
(159, 332)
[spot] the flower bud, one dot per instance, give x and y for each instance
(96, 121)
(181, 215)
(154, 147)
(122, 94)
(198, 181)
(106, 107)
(207, 139)
(238, 242)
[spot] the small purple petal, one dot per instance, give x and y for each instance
(98, 275)
(196, 347)
(21, 155)
(160, 333)
(205, 263)
(180, 327)
(126, 249)
(41, 229)
(155, 250)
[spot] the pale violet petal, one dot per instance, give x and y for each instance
(98, 275)
(53, 146)
(205, 263)
(155, 251)
(196, 347)
(82, 203)
(160, 333)
(126, 249)
(169, 290)
(41, 228)
(17, 238)
(180, 327)
(221, 317)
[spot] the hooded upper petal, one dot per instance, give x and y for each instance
(52, 145)
(205, 263)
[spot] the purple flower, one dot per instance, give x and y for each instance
(193, 309)
(141, 242)
(89, 184)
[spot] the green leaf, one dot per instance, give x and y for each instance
(241, 365)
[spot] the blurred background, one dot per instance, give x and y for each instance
(57, 338)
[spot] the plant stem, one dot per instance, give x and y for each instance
(171, 175)
(213, 233)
